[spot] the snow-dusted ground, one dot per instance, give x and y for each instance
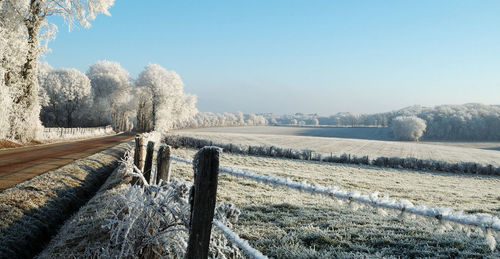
(372, 133)
(284, 223)
(472, 193)
(292, 138)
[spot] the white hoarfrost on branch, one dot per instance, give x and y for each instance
(69, 98)
(485, 222)
(169, 104)
(208, 119)
(112, 95)
(24, 32)
(137, 221)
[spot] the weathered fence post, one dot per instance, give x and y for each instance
(148, 163)
(163, 164)
(139, 151)
(203, 203)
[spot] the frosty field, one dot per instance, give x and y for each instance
(288, 224)
(352, 143)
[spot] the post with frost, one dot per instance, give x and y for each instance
(203, 195)
(148, 163)
(139, 151)
(163, 164)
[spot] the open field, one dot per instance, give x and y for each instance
(291, 138)
(371, 133)
(288, 224)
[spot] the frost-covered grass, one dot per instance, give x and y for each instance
(288, 224)
(276, 136)
(308, 154)
(124, 221)
(32, 211)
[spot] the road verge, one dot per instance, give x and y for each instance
(32, 212)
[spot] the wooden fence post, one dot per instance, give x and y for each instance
(203, 203)
(139, 151)
(148, 163)
(163, 164)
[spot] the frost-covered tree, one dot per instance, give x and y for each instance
(144, 119)
(112, 95)
(13, 50)
(27, 20)
(5, 104)
(208, 119)
(408, 127)
(169, 104)
(69, 98)
(43, 71)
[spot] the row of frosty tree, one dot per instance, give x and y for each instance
(107, 95)
(67, 97)
(471, 121)
(24, 32)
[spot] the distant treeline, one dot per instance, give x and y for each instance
(445, 122)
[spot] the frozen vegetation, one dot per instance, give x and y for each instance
(408, 128)
(282, 137)
(33, 94)
(308, 154)
(24, 34)
(471, 121)
(130, 221)
(208, 119)
(288, 224)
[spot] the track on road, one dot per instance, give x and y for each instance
(20, 164)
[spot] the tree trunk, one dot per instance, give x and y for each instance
(26, 117)
(28, 73)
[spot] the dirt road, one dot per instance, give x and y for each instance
(20, 164)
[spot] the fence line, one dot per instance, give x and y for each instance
(488, 224)
(58, 132)
(241, 243)
(203, 193)
(481, 220)
(411, 163)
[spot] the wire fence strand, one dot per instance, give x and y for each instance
(482, 220)
(241, 243)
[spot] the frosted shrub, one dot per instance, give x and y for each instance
(408, 127)
(132, 221)
(154, 220)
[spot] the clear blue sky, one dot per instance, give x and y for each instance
(302, 56)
